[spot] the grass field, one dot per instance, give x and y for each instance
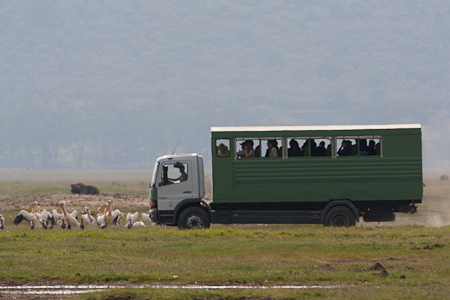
(406, 259)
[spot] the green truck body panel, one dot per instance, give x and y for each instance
(394, 174)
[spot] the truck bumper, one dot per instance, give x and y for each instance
(154, 216)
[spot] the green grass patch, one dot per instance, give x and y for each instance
(223, 256)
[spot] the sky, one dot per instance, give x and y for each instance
(100, 84)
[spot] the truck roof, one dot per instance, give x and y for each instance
(177, 155)
(313, 128)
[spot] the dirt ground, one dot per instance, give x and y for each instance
(34, 297)
(78, 202)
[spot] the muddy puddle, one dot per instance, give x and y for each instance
(79, 289)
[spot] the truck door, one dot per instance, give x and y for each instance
(175, 184)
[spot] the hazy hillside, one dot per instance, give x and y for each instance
(114, 84)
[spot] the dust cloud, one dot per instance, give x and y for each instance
(434, 211)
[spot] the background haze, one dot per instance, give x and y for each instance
(114, 84)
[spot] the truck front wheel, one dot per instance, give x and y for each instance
(339, 216)
(194, 218)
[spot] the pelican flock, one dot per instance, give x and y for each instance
(105, 217)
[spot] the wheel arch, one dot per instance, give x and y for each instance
(189, 203)
(344, 203)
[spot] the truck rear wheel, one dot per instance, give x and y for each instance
(194, 218)
(339, 216)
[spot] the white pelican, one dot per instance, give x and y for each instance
(111, 218)
(45, 218)
(74, 213)
(56, 216)
(138, 224)
(69, 218)
(2, 222)
(108, 214)
(101, 215)
(131, 218)
(87, 218)
(25, 214)
(117, 216)
(35, 219)
(101, 221)
(146, 219)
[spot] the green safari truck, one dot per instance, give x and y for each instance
(330, 175)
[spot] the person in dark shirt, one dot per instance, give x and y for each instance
(294, 149)
(321, 150)
(183, 175)
(345, 149)
(372, 149)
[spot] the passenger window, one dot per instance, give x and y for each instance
(346, 146)
(271, 147)
(223, 148)
(374, 146)
(295, 147)
(309, 146)
(358, 146)
(321, 146)
(174, 173)
(247, 148)
(305, 144)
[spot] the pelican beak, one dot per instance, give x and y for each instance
(32, 206)
(102, 209)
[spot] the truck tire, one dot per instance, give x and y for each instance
(339, 216)
(194, 218)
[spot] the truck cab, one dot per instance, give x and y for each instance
(178, 185)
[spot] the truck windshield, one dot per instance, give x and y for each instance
(155, 173)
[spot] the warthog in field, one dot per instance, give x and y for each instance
(80, 188)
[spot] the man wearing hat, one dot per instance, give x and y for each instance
(247, 149)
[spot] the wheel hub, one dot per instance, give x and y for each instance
(194, 222)
(340, 221)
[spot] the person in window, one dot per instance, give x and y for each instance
(294, 149)
(363, 148)
(247, 149)
(166, 180)
(305, 148)
(345, 149)
(321, 150)
(223, 151)
(272, 148)
(372, 149)
(183, 176)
